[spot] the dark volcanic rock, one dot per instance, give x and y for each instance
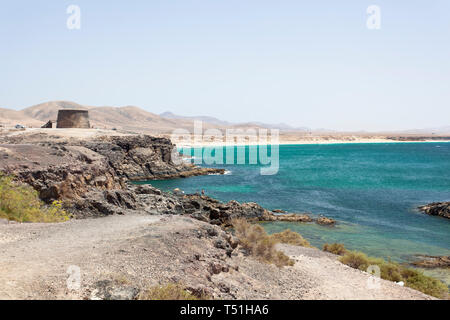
(217, 212)
(91, 176)
(208, 209)
(441, 209)
(144, 158)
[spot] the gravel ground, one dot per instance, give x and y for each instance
(136, 251)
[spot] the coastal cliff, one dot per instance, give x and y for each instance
(93, 177)
(93, 170)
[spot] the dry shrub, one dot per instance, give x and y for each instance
(254, 239)
(335, 248)
(20, 202)
(290, 237)
(169, 291)
(356, 260)
(395, 272)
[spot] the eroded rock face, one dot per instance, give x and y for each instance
(441, 209)
(59, 172)
(144, 158)
(71, 169)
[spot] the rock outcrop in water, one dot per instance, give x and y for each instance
(326, 221)
(441, 209)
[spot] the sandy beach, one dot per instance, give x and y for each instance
(314, 140)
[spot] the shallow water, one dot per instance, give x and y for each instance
(373, 191)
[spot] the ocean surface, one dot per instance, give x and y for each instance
(372, 190)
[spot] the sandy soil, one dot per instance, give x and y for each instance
(144, 250)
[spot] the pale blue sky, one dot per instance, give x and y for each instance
(306, 63)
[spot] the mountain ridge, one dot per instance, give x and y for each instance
(134, 118)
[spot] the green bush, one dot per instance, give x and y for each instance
(20, 202)
(395, 272)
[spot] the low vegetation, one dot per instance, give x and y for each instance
(20, 202)
(254, 239)
(395, 272)
(290, 237)
(170, 291)
(335, 248)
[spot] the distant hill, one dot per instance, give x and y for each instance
(135, 119)
(12, 117)
(436, 130)
(218, 122)
(128, 118)
(49, 110)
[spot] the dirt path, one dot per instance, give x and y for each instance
(29, 252)
(335, 280)
(141, 250)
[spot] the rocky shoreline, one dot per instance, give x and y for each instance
(441, 209)
(94, 177)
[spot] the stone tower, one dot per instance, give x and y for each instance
(69, 118)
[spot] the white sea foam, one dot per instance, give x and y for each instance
(227, 172)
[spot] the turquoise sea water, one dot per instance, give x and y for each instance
(372, 190)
